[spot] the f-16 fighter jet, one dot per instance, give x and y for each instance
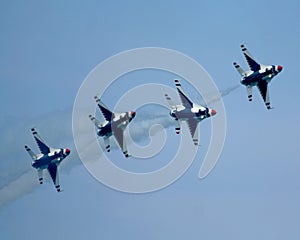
(49, 159)
(189, 112)
(259, 75)
(115, 124)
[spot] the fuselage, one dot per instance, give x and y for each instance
(266, 73)
(55, 156)
(197, 112)
(120, 121)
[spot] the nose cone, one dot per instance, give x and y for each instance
(213, 112)
(279, 68)
(68, 151)
(132, 113)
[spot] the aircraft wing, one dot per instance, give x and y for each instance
(186, 102)
(52, 169)
(42, 146)
(193, 126)
(119, 135)
(263, 89)
(254, 66)
(108, 115)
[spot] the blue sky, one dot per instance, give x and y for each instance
(49, 47)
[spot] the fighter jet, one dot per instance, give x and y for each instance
(189, 112)
(259, 75)
(115, 124)
(49, 159)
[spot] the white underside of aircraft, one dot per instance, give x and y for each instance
(259, 75)
(49, 158)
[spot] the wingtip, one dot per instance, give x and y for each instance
(58, 188)
(97, 99)
(126, 154)
(177, 83)
(243, 46)
(33, 130)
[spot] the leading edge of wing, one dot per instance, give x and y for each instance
(42, 146)
(108, 115)
(186, 102)
(254, 66)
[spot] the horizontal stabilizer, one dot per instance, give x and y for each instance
(95, 121)
(170, 102)
(249, 93)
(107, 143)
(239, 69)
(40, 175)
(31, 153)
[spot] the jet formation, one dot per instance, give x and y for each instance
(259, 75)
(188, 111)
(115, 123)
(48, 158)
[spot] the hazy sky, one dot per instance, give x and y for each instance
(47, 50)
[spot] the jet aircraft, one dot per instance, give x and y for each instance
(259, 75)
(49, 159)
(115, 124)
(188, 111)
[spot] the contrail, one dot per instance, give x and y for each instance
(18, 178)
(223, 93)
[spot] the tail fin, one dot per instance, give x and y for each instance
(239, 69)
(31, 153)
(170, 102)
(95, 121)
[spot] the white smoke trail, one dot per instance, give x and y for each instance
(18, 187)
(223, 93)
(18, 178)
